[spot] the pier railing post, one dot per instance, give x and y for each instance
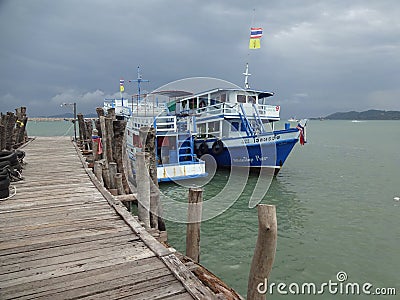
(143, 187)
(264, 253)
(193, 224)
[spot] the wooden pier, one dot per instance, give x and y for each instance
(62, 237)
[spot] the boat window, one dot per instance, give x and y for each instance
(241, 98)
(223, 97)
(251, 99)
(235, 126)
(213, 126)
(201, 128)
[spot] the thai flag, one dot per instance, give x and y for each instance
(302, 132)
(256, 32)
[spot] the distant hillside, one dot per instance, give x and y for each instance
(365, 115)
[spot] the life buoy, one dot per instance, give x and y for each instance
(217, 147)
(203, 149)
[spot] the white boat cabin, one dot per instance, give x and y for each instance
(246, 112)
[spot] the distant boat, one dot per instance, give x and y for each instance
(293, 119)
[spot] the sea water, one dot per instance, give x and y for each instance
(337, 215)
(337, 209)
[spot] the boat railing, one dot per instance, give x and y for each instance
(165, 124)
(219, 108)
(270, 111)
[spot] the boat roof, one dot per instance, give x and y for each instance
(173, 93)
(261, 94)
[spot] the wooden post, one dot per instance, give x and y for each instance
(118, 184)
(82, 128)
(264, 253)
(2, 137)
(119, 131)
(95, 145)
(103, 139)
(9, 126)
(98, 171)
(106, 175)
(112, 166)
(111, 113)
(108, 137)
(100, 113)
(143, 187)
(88, 130)
(148, 138)
(193, 225)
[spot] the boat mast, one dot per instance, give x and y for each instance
(246, 77)
(139, 80)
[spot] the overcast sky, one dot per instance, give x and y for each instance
(318, 57)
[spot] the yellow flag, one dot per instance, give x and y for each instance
(254, 44)
(121, 88)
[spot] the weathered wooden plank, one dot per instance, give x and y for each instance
(71, 241)
(192, 284)
(130, 270)
(53, 240)
(70, 267)
(65, 249)
(157, 288)
(50, 262)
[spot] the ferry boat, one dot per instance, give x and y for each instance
(237, 127)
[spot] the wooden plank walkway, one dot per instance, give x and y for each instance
(61, 238)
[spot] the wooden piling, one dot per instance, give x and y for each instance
(9, 126)
(143, 187)
(100, 113)
(88, 132)
(193, 224)
(118, 184)
(98, 171)
(95, 145)
(108, 137)
(112, 167)
(2, 137)
(148, 138)
(264, 253)
(119, 132)
(82, 128)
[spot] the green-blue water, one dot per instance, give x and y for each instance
(336, 211)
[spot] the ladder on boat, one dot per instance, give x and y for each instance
(243, 118)
(259, 123)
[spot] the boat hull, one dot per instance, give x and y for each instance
(266, 150)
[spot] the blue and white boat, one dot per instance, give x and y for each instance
(237, 127)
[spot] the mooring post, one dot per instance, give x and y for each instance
(103, 138)
(264, 253)
(112, 167)
(193, 224)
(82, 129)
(98, 170)
(143, 187)
(118, 184)
(95, 145)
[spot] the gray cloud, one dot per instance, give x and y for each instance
(318, 56)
